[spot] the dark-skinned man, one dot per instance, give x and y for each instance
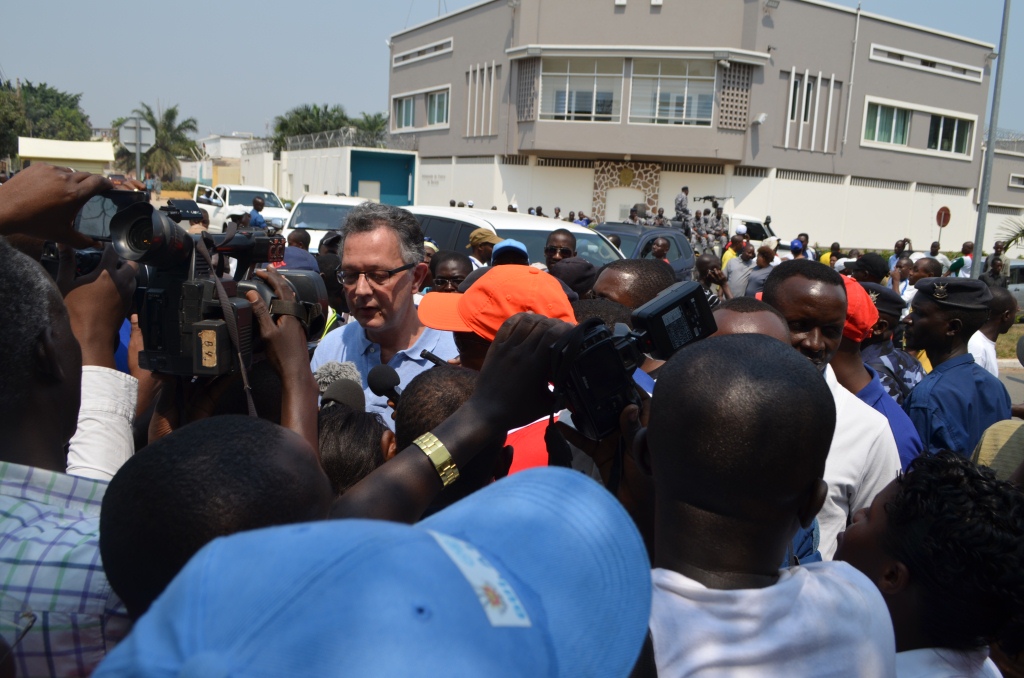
(958, 400)
(738, 270)
(561, 244)
(1002, 316)
(863, 457)
(481, 246)
(256, 219)
(899, 371)
(861, 380)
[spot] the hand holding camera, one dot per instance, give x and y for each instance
(42, 201)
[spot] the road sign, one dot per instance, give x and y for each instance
(943, 217)
(135, 132)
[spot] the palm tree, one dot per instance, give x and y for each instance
(308, 119)
(171, 140)
(373, 128)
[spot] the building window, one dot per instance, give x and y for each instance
(404, 112)
(1017, 181)
(587, 90)
(672, 92)
(887, 124)
(437, 108)
(949, 135)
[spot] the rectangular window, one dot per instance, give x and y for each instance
(672, 92)
(1017, 181)
(404, 112)
(949, 135)
(587, 90)
(887, 124)
(437, 108)
(794, 104)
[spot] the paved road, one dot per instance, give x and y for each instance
(1013, 380)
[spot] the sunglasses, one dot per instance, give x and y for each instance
(448, 282)
(564, 251)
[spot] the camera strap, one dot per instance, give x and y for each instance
(228, 311)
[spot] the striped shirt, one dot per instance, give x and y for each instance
(50, 566)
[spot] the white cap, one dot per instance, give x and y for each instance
(469, 203)
(741, 229)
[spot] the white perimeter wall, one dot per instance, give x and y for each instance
(314, 171)
(258, 170)
(567, 187)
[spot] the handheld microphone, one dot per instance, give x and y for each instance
(384, 381)
(345, 392)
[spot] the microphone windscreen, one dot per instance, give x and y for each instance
(346, 392)
(382, 379)
(332, 371)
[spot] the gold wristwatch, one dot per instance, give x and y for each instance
(439, 456)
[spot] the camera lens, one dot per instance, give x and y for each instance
(140, 235)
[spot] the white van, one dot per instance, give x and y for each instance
(319, 214)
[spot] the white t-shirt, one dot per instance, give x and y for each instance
(821, 619)
(936, 663)
(984, 351)
(863, 459)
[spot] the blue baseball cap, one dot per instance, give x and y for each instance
(510, 243)
(542, 573)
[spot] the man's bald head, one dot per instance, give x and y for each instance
(747, 315)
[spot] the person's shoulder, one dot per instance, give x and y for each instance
(849, 588)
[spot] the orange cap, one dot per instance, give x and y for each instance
(861, 313)
(494, 298)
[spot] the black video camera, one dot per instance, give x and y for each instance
(593, 366)
(184, 329)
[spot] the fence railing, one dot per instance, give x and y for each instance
(351, 136)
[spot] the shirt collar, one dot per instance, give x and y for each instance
(954, 362)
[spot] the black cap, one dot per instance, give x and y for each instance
(576, 272)
(886, 300)
(871, 263)
(965, 293)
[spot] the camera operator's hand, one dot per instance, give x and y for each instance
(287, 352)
(97, 306)
(42, 202)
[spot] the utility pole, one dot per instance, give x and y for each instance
(990, 151)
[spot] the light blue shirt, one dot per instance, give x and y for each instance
(350, 344)
(256, 220)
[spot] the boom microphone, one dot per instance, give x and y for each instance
(332, 371)
(384, 381)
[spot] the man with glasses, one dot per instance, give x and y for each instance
(561, 244)
(382, 268)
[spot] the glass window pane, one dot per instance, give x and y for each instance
(794, 105)
(963, 135)
(703, 68)
(948, 129)
(809, 100)
(885, 120)
(702, 96)
(902, 129)
(870, 126)
(582, 66)
(933, 132)
(549, 65)
(608, 66)
(642, 101)
(676, 67)
(645, 66)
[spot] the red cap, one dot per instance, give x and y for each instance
(861, 313)
(494, 298)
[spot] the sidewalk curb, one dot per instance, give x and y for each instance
(1009, 363)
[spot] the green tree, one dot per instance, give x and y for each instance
(373, 128)
(53, 114)
(172, 141)
(307, 119)
(13, 123)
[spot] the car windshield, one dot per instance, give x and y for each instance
(246, 198)
(319, 217)
(628, 243)
(590, 246)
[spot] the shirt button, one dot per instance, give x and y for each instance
(372, 349)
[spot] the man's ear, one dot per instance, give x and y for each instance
(642, 451)
(954, 326)
(815, 500)
(388, 447)
(880, 327)
(419, 276)
(894, 578)
(47, 362)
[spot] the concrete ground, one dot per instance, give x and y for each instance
(1012, 375)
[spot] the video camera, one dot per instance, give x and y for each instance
(184, 329)
(593, 366)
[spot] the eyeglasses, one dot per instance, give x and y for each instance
(564, 251)
(350, 278)
(448, 282)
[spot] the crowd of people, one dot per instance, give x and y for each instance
(407, 495)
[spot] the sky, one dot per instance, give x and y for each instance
(236, 65)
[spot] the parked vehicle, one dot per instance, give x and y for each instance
(450, 228)
(1015, 274)
(221, 200)
(319, 214)
(637, 240)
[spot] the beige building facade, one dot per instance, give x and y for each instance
(843, 124)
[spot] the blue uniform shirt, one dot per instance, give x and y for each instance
(256, 219)
(350, 343)
(955, 403)
(907, 440)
